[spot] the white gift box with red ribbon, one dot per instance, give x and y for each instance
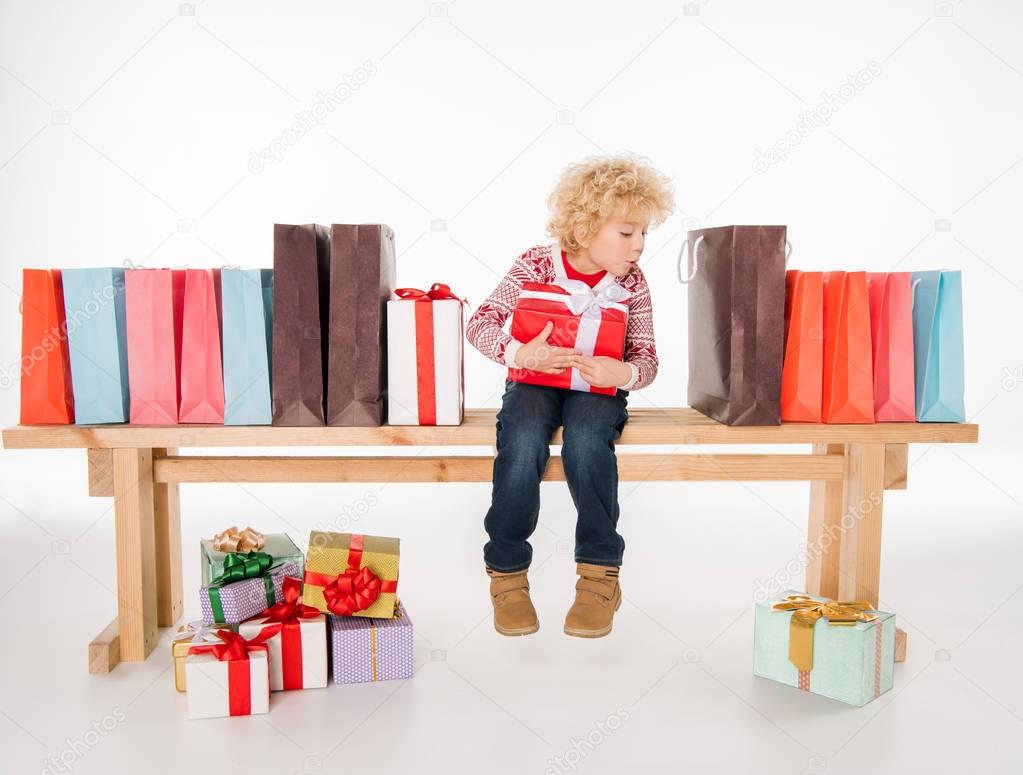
(425, 376)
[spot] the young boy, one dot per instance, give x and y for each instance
(600, 211)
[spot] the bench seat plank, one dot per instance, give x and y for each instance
(680, 425)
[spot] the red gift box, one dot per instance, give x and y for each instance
(592, 322)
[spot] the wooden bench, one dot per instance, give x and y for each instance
(848, 467)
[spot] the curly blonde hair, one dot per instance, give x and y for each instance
(590, 192)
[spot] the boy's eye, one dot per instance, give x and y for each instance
(625, 234)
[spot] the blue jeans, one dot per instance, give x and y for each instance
(592, 423)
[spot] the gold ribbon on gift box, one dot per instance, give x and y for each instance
(373, 636)
(230, 540)
(805, 613)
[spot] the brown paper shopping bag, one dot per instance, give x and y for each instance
(362, 280)
(736, 322)
(300, 291)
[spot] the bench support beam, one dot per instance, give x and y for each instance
(425, 468)
(136, 553)
(167, 523)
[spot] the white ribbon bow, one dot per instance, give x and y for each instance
(582, 299)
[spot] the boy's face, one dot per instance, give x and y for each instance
(618, 243)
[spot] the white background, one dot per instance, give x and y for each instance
(127, 132)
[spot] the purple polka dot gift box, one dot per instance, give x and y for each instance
(363, 649)
(234, 602)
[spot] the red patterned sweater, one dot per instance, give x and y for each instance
(543, 264)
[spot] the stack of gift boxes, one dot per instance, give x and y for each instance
(275, 620)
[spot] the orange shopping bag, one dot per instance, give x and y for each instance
(802, 371)
(848, 372)
(154, 299)
(891, 337)
(202, 376)
(45, 365)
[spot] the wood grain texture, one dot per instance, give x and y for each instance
(900, 645)
(896, 466)
(646, 426)
(824, 532)
(136, 553)
(167, 539)
(101, 473)
(105, 650)
(862, 508)
(423, 468)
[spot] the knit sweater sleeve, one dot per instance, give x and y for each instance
(640, 349)
(485, 329)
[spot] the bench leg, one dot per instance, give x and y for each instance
(862, 507)
(105, 650)
(824, 533)
(136, 553)
(167, 522)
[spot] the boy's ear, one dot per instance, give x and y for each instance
(581, 237)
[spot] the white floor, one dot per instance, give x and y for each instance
(670, 690)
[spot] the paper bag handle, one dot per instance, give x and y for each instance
(695, 259)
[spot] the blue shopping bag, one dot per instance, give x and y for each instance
(938, 346)
(97, 342)
(247, 324)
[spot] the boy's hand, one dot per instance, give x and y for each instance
(537, 355)
(602, 371)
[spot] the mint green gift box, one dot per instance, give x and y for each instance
(853, 663)
(278, 545)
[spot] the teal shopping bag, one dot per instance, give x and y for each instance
(938, 346)
(97, 342)
(246, 328)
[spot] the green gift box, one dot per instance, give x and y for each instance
(842, 650)
(278, 545)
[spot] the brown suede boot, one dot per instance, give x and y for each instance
(513, 610)
(597, 597)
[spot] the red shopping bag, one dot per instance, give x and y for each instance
(153, 301)
(891, 337)
(202, 375)
(802, 373)
(45, 365)
(848, 372)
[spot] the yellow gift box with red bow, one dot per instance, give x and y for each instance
(350, 574)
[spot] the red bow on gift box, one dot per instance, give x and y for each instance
(438, 291)
(291, 608)
(425, 367)
(356, 588)
(285, 618)
(235, 651)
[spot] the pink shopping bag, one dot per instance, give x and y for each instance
(202, 374)
(154, 300)
(891, 337)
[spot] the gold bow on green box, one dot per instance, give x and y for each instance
(805, 613)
